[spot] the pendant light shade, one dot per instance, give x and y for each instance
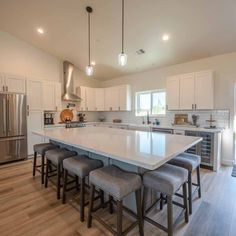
(122, 57)
(89, 68)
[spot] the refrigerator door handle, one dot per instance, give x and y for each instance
(4, 115)
(8, 115)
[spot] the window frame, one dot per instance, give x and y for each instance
(151, 92)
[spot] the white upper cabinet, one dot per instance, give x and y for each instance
(81, 92)
(34, 91)
(125, 97)
(48, 96)
(99, 94)
(187, 91)
(12, 83)
(58, 94)
(204, 90)
(172, 92)
(108, 100)
(190, 91)
(90, 99)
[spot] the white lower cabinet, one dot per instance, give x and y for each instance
(34, 122)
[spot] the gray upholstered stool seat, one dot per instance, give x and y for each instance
(187, 161)
(115, 181)
(56, 156)
(118, 184)
(190, 162)
(41, 148)
(166, 179)
(82, 165)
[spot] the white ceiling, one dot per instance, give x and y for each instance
(197, 29)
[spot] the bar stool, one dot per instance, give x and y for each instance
(167, 180)
(41, 149)
(55, 157)
(191, 163)
(118, 184)
(80, 166)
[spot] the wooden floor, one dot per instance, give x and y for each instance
(28, 209)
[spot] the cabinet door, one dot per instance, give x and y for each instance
(34, 122)
(124, 98)
(57, 88)
(115, 95)
(108, 100)
(81, 92)
(204, 90)
(172, 92)
(48, 96)
(99, 99)
(2, 83)
(90, 102)
(15, 84)
(34, 91)
(187, 88)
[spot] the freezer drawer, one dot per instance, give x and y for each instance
(12, 149)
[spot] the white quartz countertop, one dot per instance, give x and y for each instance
(144, 149)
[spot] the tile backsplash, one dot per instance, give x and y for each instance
(221, 116)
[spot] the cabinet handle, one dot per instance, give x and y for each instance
(3, 88)
(7, 88)
(119, 108)
(192, 106)
(110, 108)
(195, 106)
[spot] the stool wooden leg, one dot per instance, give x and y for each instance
(161, 201)
(139, 211)
(91, 198)
(110, 204)
(64, 186)
(58, 181)
(199, 182)
(42, 169)
(46, 174)
(190, 191)
(101, 198)
(119, 218)
(185, 195)
(170, 215)
(34, 163)
(82, 199)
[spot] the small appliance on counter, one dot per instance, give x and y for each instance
(48, 118)
(211, 123)
(81, 117)
(117, 120)
(195, 119)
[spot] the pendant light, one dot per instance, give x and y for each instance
(122, 57)
(89, 68)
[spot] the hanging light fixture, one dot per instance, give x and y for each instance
(89, 67)
(122, 57)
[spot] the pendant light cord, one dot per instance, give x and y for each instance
(89, 36)
(123, 9)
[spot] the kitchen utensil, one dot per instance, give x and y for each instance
(66, 115)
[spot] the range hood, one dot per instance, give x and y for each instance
(69, 94)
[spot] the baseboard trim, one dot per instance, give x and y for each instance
(227, 162)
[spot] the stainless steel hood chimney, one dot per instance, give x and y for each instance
(69, 94)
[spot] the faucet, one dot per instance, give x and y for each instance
(148, 118)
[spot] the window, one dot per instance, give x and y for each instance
(153, 102)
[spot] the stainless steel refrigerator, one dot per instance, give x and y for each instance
(13, 127)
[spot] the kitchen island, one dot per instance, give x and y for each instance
(131, 150)
(139, 148)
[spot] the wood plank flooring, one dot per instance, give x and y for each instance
(28, 209)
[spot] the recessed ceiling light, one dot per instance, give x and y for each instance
(40, 30)
(93, 63)
(165, 37)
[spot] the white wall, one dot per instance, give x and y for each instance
(224, 67)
